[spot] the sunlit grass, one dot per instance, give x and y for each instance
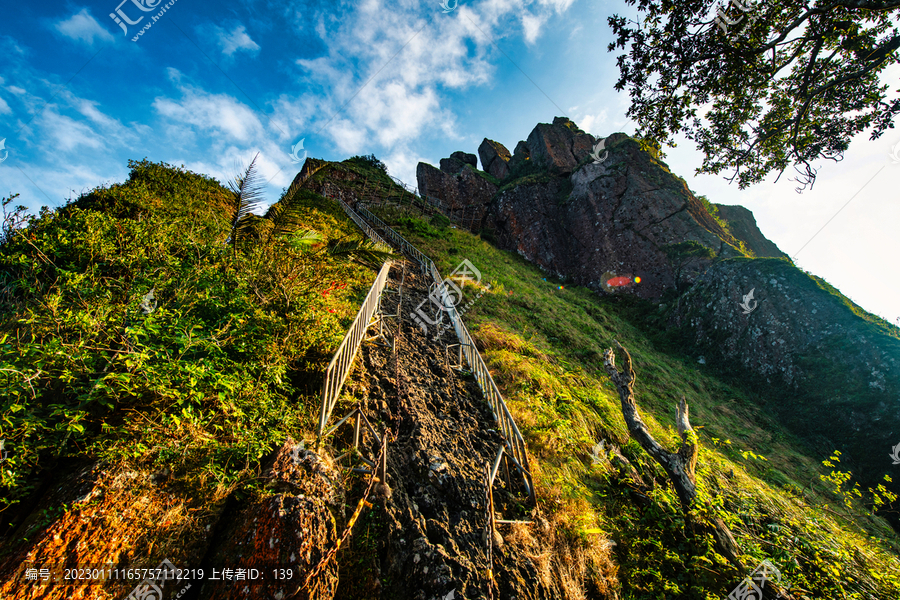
(543, 346)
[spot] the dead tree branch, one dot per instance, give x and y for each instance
(679, 466)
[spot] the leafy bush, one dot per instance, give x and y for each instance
(369, 160)
(130, 331)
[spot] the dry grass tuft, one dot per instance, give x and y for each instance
(566, 558)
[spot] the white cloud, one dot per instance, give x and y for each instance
(11, 46)
(413, 62)
(348, 137)
(231, 133)
(390, 90)
(234, 40)
(210, 113)
(83, 27)
(61, 133)
(531, 26)
(402, 165)
(559, 6)
(595, 124)
(4, 107)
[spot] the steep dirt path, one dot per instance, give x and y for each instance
(443, 435)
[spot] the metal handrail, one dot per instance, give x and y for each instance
(403, 184)
(515, 441)
(367, 229)
(395, 237)
(339, 367)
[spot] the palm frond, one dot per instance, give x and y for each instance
(359, 250)
(285, 214)
(259, 228)
(304, 237)
(247, 191)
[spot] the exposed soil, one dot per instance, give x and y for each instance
(442, 436)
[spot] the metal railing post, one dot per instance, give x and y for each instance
(508, 428)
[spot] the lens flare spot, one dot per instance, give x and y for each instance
(618, 281)
(637, 279)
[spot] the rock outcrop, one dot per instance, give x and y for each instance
(291, 528)
(463, 191)
(559, 147)
(457, 162)
(555, 148)
(587, 221)
(743, 226)
(116, 518)
(625, 216)
(494, 158)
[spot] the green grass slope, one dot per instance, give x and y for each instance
(222, 369)
(544, 345)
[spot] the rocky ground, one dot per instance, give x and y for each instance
(442, 435)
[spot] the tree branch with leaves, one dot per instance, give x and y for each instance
(786, 88)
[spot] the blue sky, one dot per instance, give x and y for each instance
(210, 84)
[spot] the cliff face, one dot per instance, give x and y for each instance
(584, 220)
(624, 216)
(789, 316)
(743, 226)
(463, 191)
(841, 367)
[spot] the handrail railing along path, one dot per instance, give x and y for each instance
(367, 229)
(339, 367)
(514, 440)
(396, 238)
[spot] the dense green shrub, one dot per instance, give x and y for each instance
(130, 330)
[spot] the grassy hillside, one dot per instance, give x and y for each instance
(201, 380)
(216, 369)
(544, 345)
